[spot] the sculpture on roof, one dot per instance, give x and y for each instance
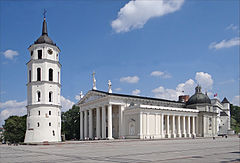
(94, 81)
(109, 86)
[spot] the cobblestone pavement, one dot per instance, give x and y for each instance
(136, 151)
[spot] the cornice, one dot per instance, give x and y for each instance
(42, 82)
(39, 105)
(44, 60)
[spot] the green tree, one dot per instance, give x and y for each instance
(70, 123)
(235, 118)
(15, 128)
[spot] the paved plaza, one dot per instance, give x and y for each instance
(129, 151)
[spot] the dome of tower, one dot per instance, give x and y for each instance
(198, 97)
(44, 37)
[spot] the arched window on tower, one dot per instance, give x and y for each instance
(38, 74)
(30, 76)
(53, 133)
(38, 96)
(50, 74)
(39, 54)
(50, 96)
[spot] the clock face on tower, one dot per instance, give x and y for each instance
(50, 51)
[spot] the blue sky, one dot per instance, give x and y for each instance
(145, 48)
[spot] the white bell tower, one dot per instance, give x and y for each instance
(43, 91)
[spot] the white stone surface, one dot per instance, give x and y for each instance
(201, 150)
(44, 112)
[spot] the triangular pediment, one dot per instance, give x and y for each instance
(91, 96)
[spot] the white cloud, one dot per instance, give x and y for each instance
(205, 80)
(118, 89)
(172, 94)
(77, 97)
(66, 104)
(12, 107)
(130, 79)
(188, 87)
(10, 54)
(236, 100)
(158, 90)
(232, 27)
(225, 43)
(136, 92)
(161, 74)
(157, 73)
(136, 13)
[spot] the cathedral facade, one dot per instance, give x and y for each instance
(107, 115)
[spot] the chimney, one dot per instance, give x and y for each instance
(183, 98)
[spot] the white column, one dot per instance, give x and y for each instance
(173, 127)
(188, 127)
(167, 127)
(103, 122)
(110, 121)
(193, 126)
(147, 125)
(81, 125)
(162, 126)
(156, 125)
(90, 124)
(141, 126)
(197, 129)
(184, 127)
(179, 126)
(98, 123)
(85, 124)
(120, 113)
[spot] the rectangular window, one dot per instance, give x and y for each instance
(50, 96)
(38, 112)
(50, 124)
(38, 124)
(30, 76)
(49, 112)
(38, 74)
(39, 54)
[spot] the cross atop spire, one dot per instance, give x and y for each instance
(44, 13)
(44, 29)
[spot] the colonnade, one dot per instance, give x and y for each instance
(104, 123)
(171, 126)
(178, 126)
(167, 125)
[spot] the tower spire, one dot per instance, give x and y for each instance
(44, 29)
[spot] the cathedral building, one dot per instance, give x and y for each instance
(43, 91)
(107, 115)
